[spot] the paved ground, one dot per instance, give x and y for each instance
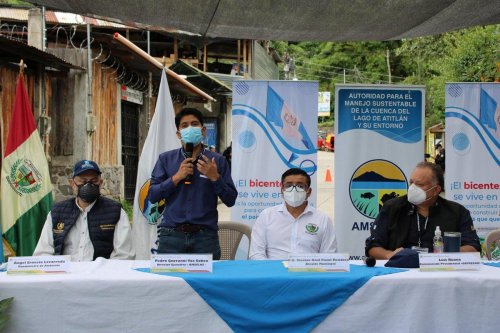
(325, 190)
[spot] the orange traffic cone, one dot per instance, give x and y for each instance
(328, 176)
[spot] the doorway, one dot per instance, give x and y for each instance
(130, 147)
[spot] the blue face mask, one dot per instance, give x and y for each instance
(191, 135)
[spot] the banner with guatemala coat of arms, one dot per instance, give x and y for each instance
(26, 186)
(473, 153)
(274, 128)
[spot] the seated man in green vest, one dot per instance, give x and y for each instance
(410, 221)
(88, 226)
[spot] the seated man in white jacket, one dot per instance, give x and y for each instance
(294, 226)
(88, 226)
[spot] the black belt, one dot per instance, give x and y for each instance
(189, 228)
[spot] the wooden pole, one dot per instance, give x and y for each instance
(249, 50)
(205, 57)
(239, 56)
(176, 49)
(244, 59)
(156, 63)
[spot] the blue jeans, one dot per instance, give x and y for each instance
(203, 241)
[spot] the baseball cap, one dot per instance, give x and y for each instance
(85, 165)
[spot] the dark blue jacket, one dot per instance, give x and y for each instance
(101, 219)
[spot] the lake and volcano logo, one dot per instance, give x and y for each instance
(375, 182)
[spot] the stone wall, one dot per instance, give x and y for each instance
(112, 186)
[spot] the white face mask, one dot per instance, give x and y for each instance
(295, 198)
(416, 195)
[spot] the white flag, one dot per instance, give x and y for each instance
(161, 137)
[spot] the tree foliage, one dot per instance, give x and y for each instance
(468, 55)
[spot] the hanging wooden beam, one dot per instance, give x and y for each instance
(205, 57)
(157, 64)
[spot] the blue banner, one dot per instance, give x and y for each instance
(274, 129)
(472, 145)
(396, 114)
(379, 140)
(211, 126)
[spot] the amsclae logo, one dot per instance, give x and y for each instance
(151, 210)
(375, 182)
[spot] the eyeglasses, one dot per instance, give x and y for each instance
(288, 187)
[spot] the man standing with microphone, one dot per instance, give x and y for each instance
(190, 180)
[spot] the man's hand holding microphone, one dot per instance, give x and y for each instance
(186, 169)
(205, 166)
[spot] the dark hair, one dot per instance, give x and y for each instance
(188, 111)
(437, 172)
(295, 171)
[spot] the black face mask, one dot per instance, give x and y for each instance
(89, 192)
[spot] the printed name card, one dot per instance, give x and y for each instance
(187, 263)
(450, 261)
(38, 265)
(319, 262)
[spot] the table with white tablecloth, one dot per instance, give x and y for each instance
(113, 296)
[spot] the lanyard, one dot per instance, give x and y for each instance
(418, 227)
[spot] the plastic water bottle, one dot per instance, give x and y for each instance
(437, 242)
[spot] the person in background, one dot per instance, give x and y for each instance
(439, 157)
(212, 148)
(191, 182)
(320, 143)
(88, 226)
(294, 226)
(286, 67)
(409, 221)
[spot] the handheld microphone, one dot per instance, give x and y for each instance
(189, 153)
(370, 261)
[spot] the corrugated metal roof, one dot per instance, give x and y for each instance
(65, 18)
(206, 82)
(15, 14)
(53, 17)
(226, 78)
(13, 51)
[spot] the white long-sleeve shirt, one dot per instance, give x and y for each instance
(77, 243)
(276, 233)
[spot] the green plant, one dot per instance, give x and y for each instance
(4, 306)
(128, 208)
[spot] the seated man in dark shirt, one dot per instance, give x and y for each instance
(191, 181)
(410, 220)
